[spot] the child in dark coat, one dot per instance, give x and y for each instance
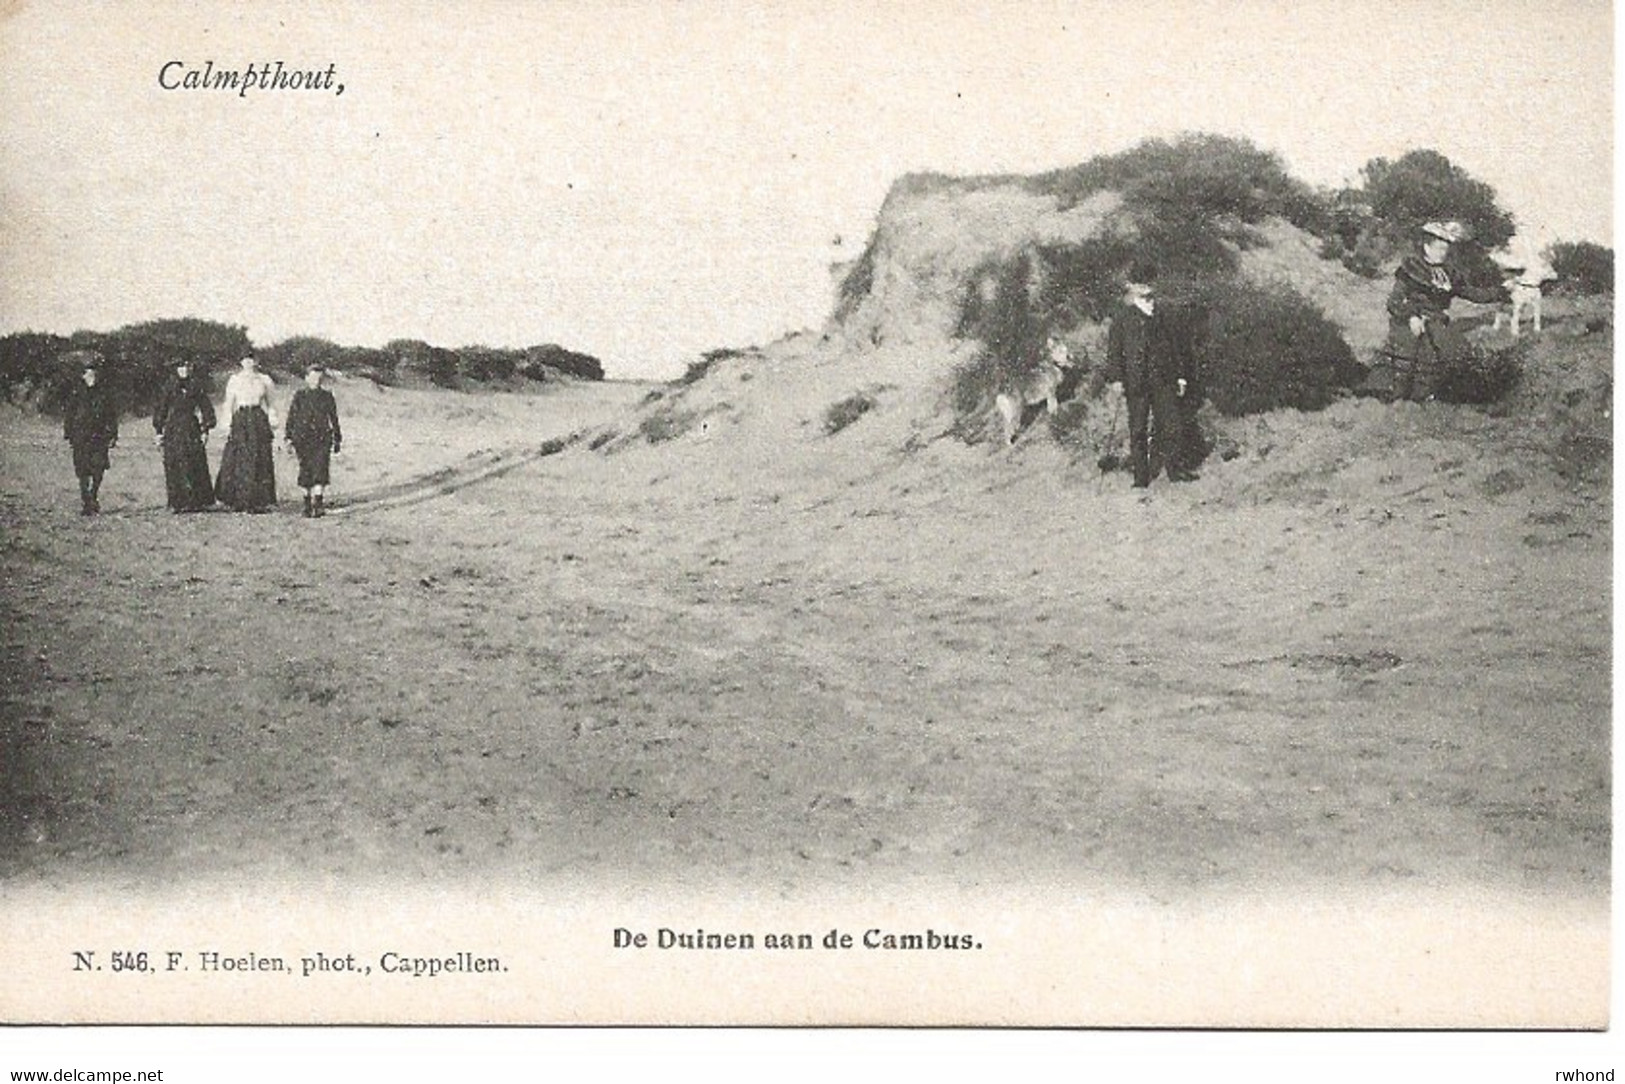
(313, 431)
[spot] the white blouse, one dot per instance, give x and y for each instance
(248, 390)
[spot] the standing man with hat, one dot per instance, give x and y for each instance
(1148, 350)
(90, 426)
(1422, 344)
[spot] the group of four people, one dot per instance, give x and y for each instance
(181, 421)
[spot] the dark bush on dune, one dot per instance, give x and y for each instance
(1375, 221)
(1486, 378)
(1004, 311)
(408, 359)
(1206, 175)
(417, 360)
(846, 411)
(1265, 347)
(1083, 279)
(858, 281)
(698, 370)
(1583, 267)
(1193, 200)
(1424, 185)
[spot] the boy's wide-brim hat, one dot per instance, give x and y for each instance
(1453, 232)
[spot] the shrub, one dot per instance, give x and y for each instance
(375, 365)
(667, 424)
(1423, 185)
(1004, 309)
(416, 358)
(1191, 196)
(1485, 378)
(483, 363)
(1219, 175)
(1094, 429)
(1084, 278)
(1266, 347)
(136, 360)
(697, 370)
(1583, 266)
(858, 281)
(29, 363)
(848, 410)
(541, 362)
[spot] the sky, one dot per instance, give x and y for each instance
(646, 180)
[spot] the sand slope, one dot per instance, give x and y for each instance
(1372, 649)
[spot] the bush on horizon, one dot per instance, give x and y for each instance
(1376, 220)
(1200, 173)
(1583, 267)
(136, 360)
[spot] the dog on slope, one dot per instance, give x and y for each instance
(1525, 275)
(1042, 386)
(1525, 299)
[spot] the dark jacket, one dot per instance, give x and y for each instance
(1144, 351)
(1424, 289)
(313, 420)
(182, 403)
(91, 419)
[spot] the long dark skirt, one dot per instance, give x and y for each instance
(247, 481)
(186, 469)
(1412, 367)
(315, 462)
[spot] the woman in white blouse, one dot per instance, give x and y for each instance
(247, 481)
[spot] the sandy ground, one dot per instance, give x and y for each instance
(694, 662)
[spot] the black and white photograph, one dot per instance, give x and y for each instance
(1064, 515)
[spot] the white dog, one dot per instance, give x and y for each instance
(1526, 270)
(1525, 299)
(1042, 387)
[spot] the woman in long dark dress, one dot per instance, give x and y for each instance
(181, 420)
(90, 426)
(247, 480)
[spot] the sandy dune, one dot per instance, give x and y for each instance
(1375, 656)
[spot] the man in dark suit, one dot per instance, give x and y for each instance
(90, 426)
(1152, 351)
